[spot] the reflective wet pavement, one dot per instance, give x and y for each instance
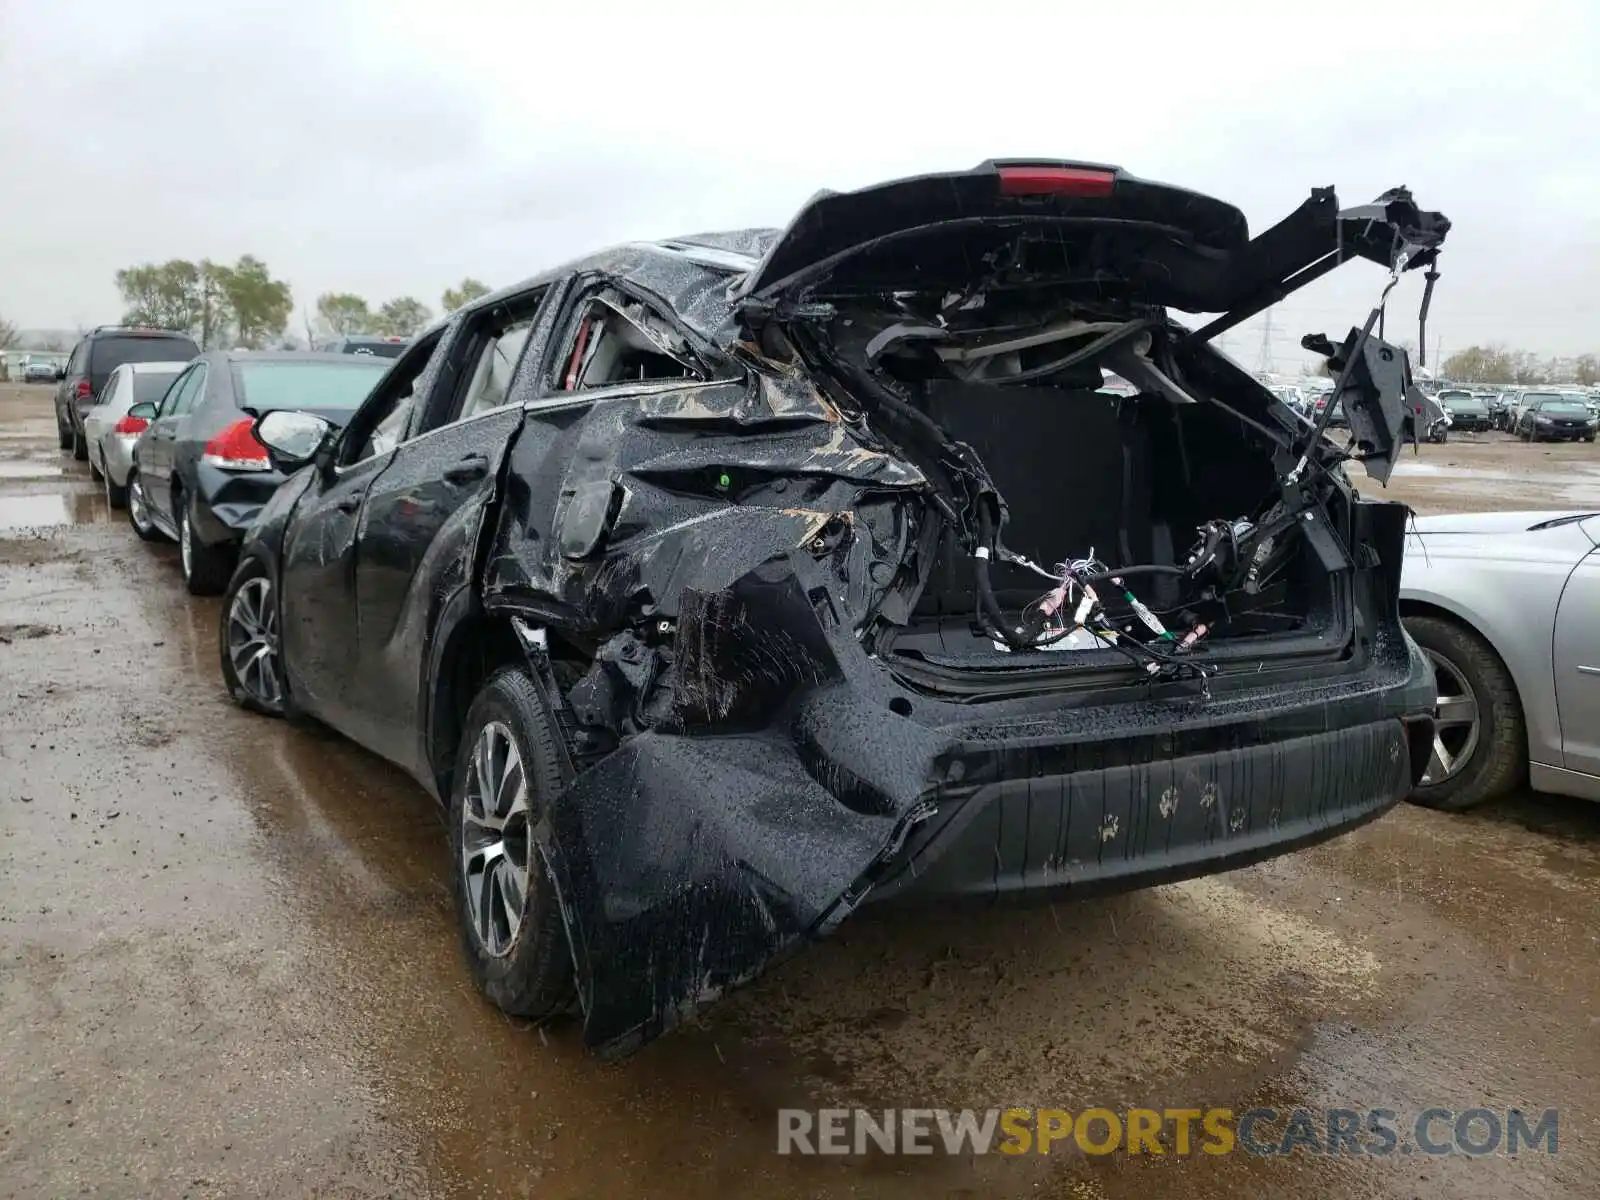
(228, 964)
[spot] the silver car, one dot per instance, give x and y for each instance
(1507, 608)
(108, 430)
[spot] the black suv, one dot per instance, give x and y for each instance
(719, 585)
(100, 352)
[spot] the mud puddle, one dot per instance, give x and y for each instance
(30, 469)
(34, 512)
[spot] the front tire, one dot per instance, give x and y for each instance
(510, 922)
(205, 567)
(252, 662)
(1480, 747)
(139, 510)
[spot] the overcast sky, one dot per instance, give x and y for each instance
(391, 147)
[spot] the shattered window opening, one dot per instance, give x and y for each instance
(497, 338)
(619, 340)
(491, 381)
(381, 423)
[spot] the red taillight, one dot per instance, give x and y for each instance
(131, 425)
(237, 449)
(82, 391)
(1055, 181)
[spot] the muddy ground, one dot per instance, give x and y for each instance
(228, 963)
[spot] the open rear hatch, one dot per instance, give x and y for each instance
(969, 317)
(1108, 238)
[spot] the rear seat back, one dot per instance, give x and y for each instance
(1074, 467)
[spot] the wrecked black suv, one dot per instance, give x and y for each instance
(720, 585)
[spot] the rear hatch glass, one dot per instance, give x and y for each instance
(379, 349)
(109, 353)
(329, 389)
(150, 386)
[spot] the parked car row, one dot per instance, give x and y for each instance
(1572, 415)
(699, 582)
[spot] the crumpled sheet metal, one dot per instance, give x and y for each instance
(681, 489)
(688, 864)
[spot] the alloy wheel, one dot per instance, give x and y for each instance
(1456, 727)
(253, 641)
(138, 510)
(495, 842)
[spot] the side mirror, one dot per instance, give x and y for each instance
(61, 373)
(292, 439)
(145, 411)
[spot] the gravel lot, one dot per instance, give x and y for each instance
(228, 964)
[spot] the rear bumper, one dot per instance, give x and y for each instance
(228, 502)
(1104, 800)
(1118, 828)
(117, 451)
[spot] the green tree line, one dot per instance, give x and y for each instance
(243, 305)
(341, 314)
(216, 304)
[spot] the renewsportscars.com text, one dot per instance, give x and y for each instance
(1265, 1132)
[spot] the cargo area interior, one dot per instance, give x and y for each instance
(1124, 479)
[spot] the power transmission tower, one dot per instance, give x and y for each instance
(1267, 365)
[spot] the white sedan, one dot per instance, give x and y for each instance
(111, 433)
(1507, 607)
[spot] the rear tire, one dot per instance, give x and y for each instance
(1497, 759)
(80, 447)
(523, 965)
(139, 510)
(206, 568)
(116, 495)
(64, 435)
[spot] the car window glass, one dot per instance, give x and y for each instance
(112, 351)
(181, 398)
(170, 396)
(617, 339)
(108, 393)
(192, 388)
(75, 363)
(148, 387)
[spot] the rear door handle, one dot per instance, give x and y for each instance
(469, 470)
